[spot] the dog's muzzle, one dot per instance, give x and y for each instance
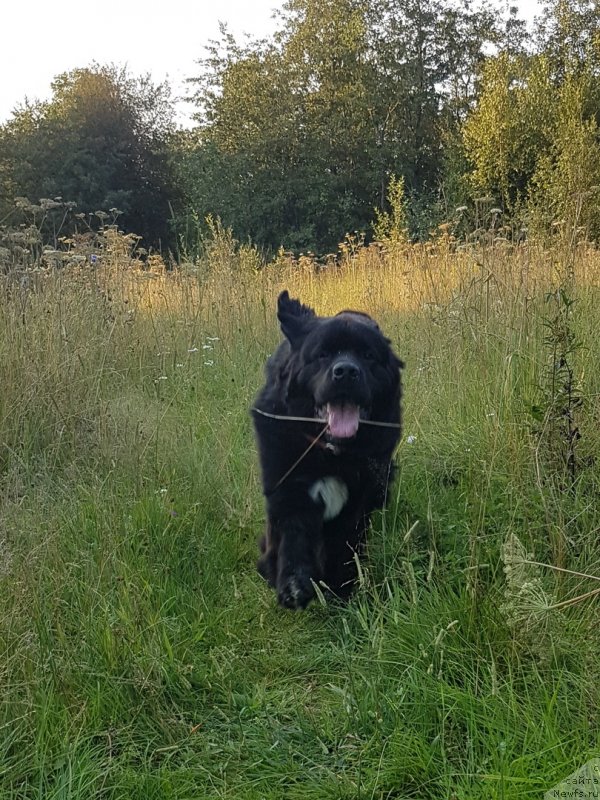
(345, 371)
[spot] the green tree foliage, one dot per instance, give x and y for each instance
(511, 125)
(532, 139)
(566, 186)
(282, 129)
(100, 142)
(568, 32)
(298, 136)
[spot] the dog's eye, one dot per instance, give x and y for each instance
(323, 354)
(369, 355)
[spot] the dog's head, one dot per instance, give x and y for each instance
(343, 365)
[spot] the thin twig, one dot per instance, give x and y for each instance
(304, 454)
(323, 421)
(573, 600)
(561, 569)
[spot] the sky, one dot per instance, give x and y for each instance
(43, 38)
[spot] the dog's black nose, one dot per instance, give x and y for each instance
(345, 370)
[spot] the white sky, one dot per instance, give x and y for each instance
(43, 38)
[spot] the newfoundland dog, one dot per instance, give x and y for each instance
(327, 422)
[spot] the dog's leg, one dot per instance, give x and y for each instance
(300, 560)
(267, 563)
(344, 543)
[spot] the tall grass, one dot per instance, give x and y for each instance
(142, 657)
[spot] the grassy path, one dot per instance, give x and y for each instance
(142, 657)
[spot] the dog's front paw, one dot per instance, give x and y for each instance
(295, 590)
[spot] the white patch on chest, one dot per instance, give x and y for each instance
(332, 492)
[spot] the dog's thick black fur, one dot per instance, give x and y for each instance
(341, 369)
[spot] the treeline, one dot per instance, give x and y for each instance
(299, 137)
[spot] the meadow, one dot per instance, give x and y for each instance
(142, 655)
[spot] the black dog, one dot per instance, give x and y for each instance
(323, 478)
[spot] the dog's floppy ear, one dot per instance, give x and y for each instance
(295, 319)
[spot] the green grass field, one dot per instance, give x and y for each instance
(142, 656)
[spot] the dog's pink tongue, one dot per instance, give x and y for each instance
(343, 420)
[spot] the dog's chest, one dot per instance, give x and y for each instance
(332, 493)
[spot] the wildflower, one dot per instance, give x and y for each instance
(411, 439)
(209, 363)
(193, 350)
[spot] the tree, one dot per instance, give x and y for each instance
(533, 138)
(427, 55)
(565, 189)
(284, 119)
(568, 33)
(299, 136)
(102, 141)
(511, 125)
